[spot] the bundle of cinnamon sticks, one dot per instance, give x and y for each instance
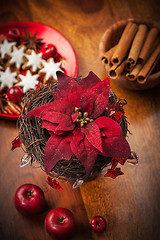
(136, 53)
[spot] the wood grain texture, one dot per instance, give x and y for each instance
(130, 203)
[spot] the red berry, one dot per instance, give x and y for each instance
(13, 34)
(49, 51)
(15, 94)
(2, 37)
(98, 224)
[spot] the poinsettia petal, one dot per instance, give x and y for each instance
(85, 152)
(101, 92)
(88, 107)
(65, 85)
(92, 133)
(51, 127)
(77, 145)
(114, 143)
(92, 154)
(37, 111)
(64, 121)
(86, 91)
(61, 105)
(77, 135)
(78, 149)
(82, 86)
(74, 98)
(99, 95)
(57, 148)
(89, 81)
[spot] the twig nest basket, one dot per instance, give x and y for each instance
(35, 138)
(112, 38)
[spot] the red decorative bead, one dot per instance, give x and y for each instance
(13, 34)
(16, 143)
(54, 183)
(49, 51)
(15, 94)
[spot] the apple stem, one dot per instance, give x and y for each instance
(29, 193)
(61, 219)
(98, 224)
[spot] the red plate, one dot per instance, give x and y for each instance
(49, 35)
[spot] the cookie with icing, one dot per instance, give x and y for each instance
(7, 78)
(6, 48)
(32, 60)
(28, 81)
(49, 69)
(17, 57)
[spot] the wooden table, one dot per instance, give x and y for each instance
(131, 203)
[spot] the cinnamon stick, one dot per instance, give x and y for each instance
(137, 44)
(106, 58)
(115, 71)
(129, 66)
(149, 42)
(148, 66)
(133, 74)
(124, 43)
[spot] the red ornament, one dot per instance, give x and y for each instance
(13, 34)
(98, 224)
(115, 161)
(54, 184)
(16, 143)
(15, 94)
(115, 111)
(113, 173)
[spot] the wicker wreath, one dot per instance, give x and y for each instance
(34, 138)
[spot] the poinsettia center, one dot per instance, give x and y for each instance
(83, 118)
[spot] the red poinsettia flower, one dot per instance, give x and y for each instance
(76, 124)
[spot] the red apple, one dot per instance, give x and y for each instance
(98, 223)
(29, 199)
(60, 223)
(15, 94)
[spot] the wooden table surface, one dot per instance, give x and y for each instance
(130, 203)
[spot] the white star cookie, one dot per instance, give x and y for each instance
(49, 69)
(34, 61)
(28, 81)
(7, 78)
(17, 56)
(6, 47)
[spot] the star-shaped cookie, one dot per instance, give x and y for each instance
(6, 47)
(7, 78)
(17, 56)
(50, 68)
(34, 61)
(28, 81)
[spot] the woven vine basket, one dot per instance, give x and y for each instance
(34, 138)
